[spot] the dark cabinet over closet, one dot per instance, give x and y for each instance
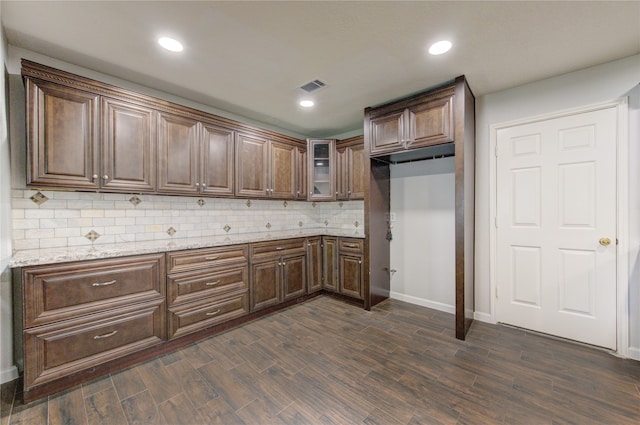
(437, 122)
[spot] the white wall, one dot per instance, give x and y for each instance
(7, 370)
(423, 245)
(589, 86)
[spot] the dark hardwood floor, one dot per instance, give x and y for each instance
(328, 362)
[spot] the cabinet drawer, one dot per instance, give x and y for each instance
(351, 245)
(192, 317)
(204, 258)
(191, 286)
(58, 350)
(65, 291)
(277, 248)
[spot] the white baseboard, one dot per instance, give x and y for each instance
(482, 317)
(634, 353)
(8, 375)
(422, 302)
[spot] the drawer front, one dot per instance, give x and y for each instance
(276, 248)
(191, 286)
(65, 291)
(204, 258)
(351, 245)
(195, 316)
(58, 350)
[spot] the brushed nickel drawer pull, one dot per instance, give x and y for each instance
(211, 258)
(111, 282)
(212, 283)
(351, 245)
(280, 248)
(107, 335)
(213, 313)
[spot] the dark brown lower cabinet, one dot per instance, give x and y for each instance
(350, 267)
(60, 349)
(265, 287)
(351, 275)
(314, 264)
(76, 321)
(278, 272)
(330, 263)
(75, 316)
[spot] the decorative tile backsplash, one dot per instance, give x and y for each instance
(67, 219)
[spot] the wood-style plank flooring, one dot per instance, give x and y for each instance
(328, 362)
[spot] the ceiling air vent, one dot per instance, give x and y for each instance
(313, 86)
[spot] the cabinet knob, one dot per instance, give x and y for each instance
(105, 177)
(204, 185)
(349, 192)
(336, 193)
(284, 264)
(95, 176)
(197, 184)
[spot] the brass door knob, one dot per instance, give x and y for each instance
(605, 241)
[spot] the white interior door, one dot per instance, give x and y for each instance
(556, 211)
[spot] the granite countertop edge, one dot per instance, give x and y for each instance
(43, 256)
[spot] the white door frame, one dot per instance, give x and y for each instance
(622, 196)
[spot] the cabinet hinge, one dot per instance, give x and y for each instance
(496, 150)
(495, 222)
(496, 291)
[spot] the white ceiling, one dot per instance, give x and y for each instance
(249, 58)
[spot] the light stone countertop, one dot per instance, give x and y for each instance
(34, 257)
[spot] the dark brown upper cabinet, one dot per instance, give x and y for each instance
(62, 136)
(302, 176)
(87, 135)
(178, 154)
(416, 126)
(194, 157)
(128, 147)
(78, 140)
(321, 168)
(265, 168)
(350, 175)
(216, 160)
(282, 170)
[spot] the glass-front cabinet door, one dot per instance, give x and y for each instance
(322, 178)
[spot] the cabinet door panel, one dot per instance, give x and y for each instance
(351, 275)
(283, 171)
(265, 287)
(342, 173)
(330, 263)
(251, 166)
(192, 286)
(192, 317)
(431, 123)
(60, 349)
(294, 276)
(302, 173)
(357, 172)
(217, 161)
(62, 136)
(128, 147)
(387, 133)
(314, 264)
(63, 291)
(178, 154)
(322, 170)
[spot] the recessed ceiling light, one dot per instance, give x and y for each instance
(440, 47)
(307, 103)
(170, 44)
